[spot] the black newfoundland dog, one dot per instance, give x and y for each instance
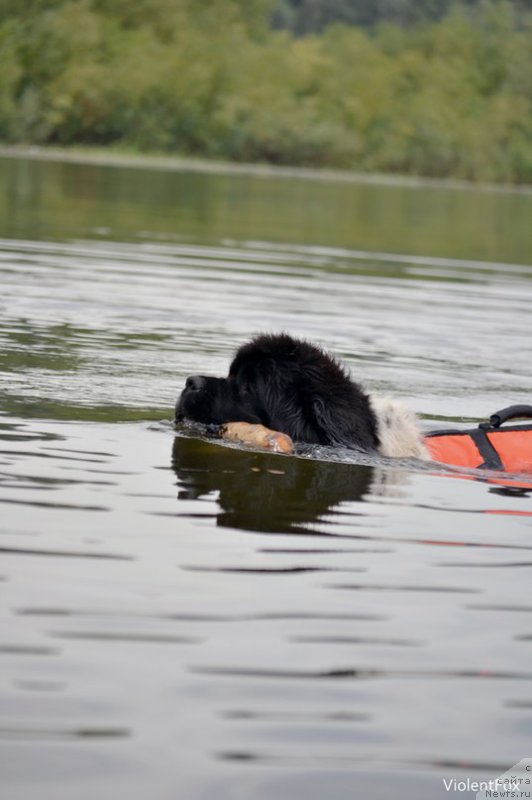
(295, 387)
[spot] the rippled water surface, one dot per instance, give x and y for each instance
(182, 619)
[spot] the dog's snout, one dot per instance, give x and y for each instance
(195, 382)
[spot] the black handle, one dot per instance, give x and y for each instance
(510, 412)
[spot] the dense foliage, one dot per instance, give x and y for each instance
(451, 97)
(313, 16)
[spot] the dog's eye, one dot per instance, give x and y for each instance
(195, 383)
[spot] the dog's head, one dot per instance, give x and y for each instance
(288, 385)
(214, 401)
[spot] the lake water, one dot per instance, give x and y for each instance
(182, 619)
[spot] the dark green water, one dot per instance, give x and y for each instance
(182, 619)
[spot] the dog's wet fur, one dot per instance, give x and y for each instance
(297, 388)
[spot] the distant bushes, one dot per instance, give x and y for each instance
(313, 16)
(210, 78)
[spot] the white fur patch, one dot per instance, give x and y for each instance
(398, 429)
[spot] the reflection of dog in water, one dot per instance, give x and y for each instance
(262, 491)
(294, 387)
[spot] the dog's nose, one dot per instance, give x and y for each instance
(195, 382)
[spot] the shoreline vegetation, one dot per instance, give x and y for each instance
(113, 157)
(301, 88)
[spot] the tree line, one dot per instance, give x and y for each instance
(313, 16)
(445, 94)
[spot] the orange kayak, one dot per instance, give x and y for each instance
(490, 446)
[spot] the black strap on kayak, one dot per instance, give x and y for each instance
(491, 457)
(510, 412)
